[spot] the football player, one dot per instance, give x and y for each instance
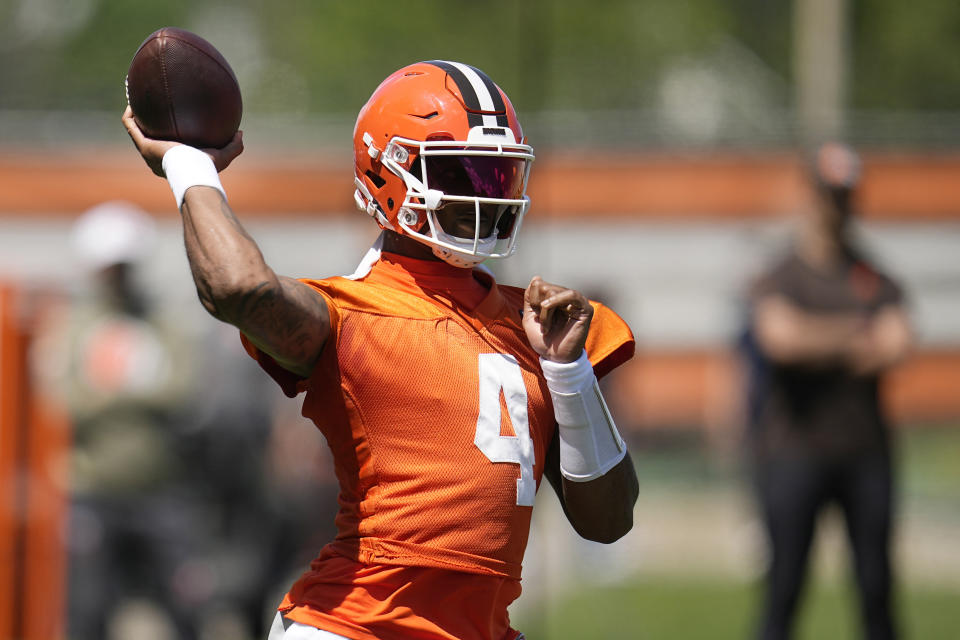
(444, 396)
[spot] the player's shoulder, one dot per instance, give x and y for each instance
(610, 342)
(606, 315)
(368, 295)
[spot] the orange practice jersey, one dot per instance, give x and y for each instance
(439, 421)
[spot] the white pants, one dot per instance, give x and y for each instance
(297, 631)
(287, 630)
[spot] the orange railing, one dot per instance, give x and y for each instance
(34, 440)
(896, 186)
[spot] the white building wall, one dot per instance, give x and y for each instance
(678, 285)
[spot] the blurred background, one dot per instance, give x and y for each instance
(669, 171)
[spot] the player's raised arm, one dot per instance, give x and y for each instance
(588, 464)
(282, 316)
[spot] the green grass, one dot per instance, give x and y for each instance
(678, 609)
(928, 461)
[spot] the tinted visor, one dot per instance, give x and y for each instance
(483, 176)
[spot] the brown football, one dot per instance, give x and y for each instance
(181, 88)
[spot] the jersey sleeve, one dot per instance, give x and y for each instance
(610, 342)
(292, 383)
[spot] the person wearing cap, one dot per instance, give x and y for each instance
(123, 369)
(826, 323)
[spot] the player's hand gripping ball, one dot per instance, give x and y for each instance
(181, 88)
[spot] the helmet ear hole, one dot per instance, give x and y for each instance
(409, 217)
(375, 179)
(390, 204)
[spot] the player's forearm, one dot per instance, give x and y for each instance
(599, 485)
(226, 264)
(601, 510)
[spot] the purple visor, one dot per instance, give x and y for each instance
(476, 176)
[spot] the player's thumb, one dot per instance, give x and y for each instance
(223, 157)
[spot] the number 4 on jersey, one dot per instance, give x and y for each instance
(501, 372)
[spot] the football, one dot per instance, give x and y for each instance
(181, 88)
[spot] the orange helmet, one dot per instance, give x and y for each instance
(441, 134)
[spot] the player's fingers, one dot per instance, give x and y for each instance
(570, 301)
(532, 298)
(550, 313)
(130, 124)
(534, 294)
(564, 306)
(549, 289)
(223, 157)
(144, 145)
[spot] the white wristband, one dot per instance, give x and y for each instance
(590, 444)
(187, 167)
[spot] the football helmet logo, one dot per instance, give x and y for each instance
(440, 136)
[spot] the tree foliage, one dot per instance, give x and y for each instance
(317, 57)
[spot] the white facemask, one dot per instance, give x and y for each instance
(465, 260)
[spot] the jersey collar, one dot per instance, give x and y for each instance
(426, 277)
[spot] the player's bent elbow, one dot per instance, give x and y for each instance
(602, 510)
(608, 531)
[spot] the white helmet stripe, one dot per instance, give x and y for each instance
(483, 93)
(479, 93)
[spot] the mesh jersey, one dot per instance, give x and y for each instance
(438, 418)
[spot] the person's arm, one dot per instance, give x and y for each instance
(283, 317)
(600, 510)
(886, 341)
(864, 343)
(790, 335)
(587, 463)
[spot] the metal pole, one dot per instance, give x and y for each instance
(820, 63)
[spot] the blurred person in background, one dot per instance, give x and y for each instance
(266, 484)
(184, 522)
(123, 370)
(826, 324)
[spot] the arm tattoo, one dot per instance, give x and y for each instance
(247, 304)
(284, 315)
